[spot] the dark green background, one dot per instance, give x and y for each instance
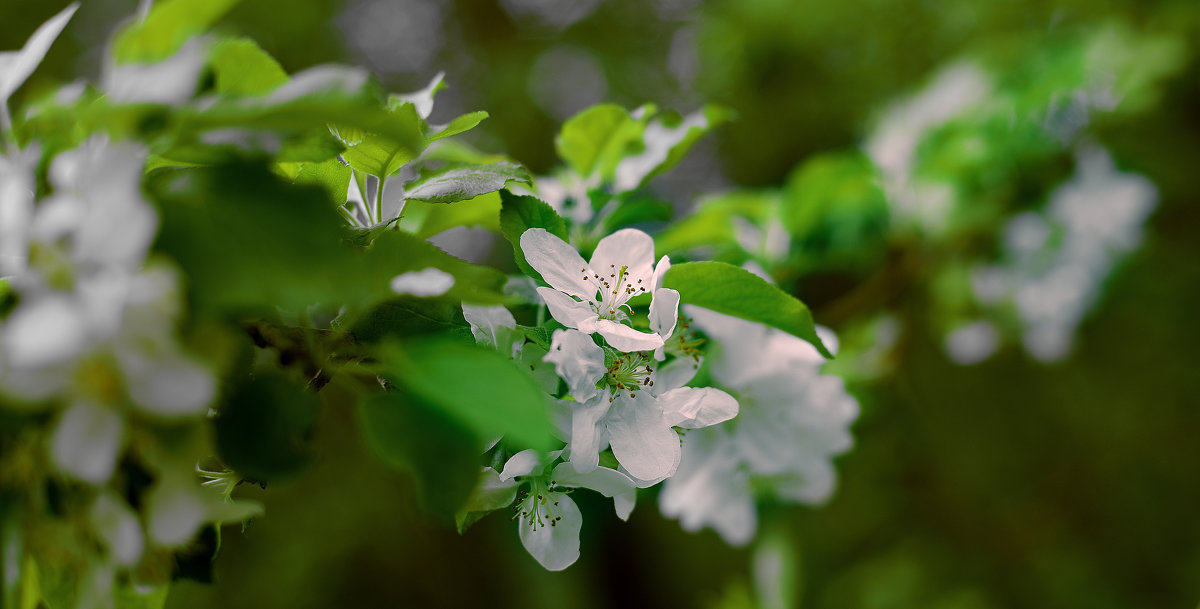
(1008, 484)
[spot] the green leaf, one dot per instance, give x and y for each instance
(429, 219)
(250, 241)
(406, 316)
(440, 453)
(382, 155)
(712, 223)
(396, 252)
(725, 288)
(264, 429)
(833, 205)
(463, 123)
(490, 494)
(461, 182)
(169, 24)
(18, 66)
(596, 139)
(241, 67)
(634, 210)
(519, 213)
(332, 175)
(486, 391)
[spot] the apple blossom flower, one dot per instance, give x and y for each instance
(623, 401)
(792, 421)
(592, 296)
(548, 521)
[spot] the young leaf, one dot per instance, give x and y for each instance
(725, 288)
(484, 390)
(595, 140)
(429, 219)
(459, 183)
(381, 155)
(463, 123)
(241, 67)
(169, 24)
(519, 213)
(332, 175)
(18, 66)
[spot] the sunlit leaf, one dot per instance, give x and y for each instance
(459, 183)
(519, 213)
(486, 391)
(725, 288)
(169, 24)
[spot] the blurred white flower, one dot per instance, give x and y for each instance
(792, 422)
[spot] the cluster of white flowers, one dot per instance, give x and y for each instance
(1057, 259)
(627, 393)
(91, 342)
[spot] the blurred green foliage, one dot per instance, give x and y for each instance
(1008, 484)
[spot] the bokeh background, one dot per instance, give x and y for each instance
(1010, 483)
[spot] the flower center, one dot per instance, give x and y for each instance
(685, 343)
(613, 290)
(629, 372)
(538, 504)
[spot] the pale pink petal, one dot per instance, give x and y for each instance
(579, 361)
(693, 407)
(627, 247)
(586, 433)
(565, 310)
(557, 262)
(556, 546)
(641, 439)
(622, 337)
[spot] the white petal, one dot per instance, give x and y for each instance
(520, 464)
(622, 337)
(485, 321)
(641, 439)
(586, 432)
(812, 483)
(557, 262)
(118, 527)
(87, 442)
(624, 504)
(579, 361)
(608, 482)
(675, 374)
(694, 408)
(664, 314)
(708, 490)
(168, 384)
(660, 271)
(425, 282)
(44, 332)
(566, 310)
(627, 247)
(555, 547)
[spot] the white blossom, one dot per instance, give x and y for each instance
(548, 521)
(592, 296)
(792, 421)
